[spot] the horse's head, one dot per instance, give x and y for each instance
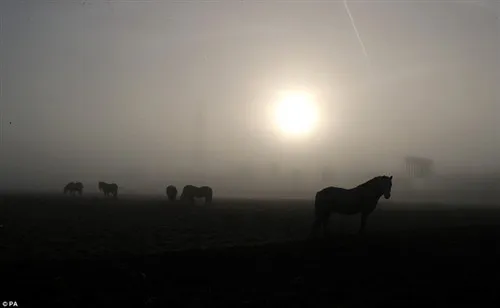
(101, 185)
(386, 183)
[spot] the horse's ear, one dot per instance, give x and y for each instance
(390, 177)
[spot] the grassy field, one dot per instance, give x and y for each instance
(148, 252)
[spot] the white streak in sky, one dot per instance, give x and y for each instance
(356, 31)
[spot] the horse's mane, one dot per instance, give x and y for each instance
(373, 181)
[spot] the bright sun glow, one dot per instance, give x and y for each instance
(296, 114)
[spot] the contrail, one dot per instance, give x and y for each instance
(356, 31)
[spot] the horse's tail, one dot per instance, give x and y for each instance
(317, 200)
(317, 215)
(320, 204)
(186, 192)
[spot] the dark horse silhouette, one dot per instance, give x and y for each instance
(109, 189)
(171, 192)
(73, 187)
(360, 199)
(191, 192)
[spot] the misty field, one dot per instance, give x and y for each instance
(47, 226)
(146, 251)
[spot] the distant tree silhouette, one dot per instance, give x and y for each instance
(171, 192)
(360, 199)
(190, 192)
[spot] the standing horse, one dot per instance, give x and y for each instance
(108, 189)
(73, 188)
(171, 192)
(360, 199)
(191, 192)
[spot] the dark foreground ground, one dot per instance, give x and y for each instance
(90, 252)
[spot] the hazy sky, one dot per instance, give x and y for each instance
(114, 91)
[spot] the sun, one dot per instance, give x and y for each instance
(296, 113)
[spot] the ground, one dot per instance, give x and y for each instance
(148, 252)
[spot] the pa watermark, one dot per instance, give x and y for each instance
(9, 304)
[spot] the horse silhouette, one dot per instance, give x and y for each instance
(108, 189)
(171, 192)
(73, 187)
(190, 192)
(360, 199)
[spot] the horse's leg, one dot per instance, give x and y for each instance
(364, 216)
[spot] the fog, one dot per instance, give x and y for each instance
(147, 94)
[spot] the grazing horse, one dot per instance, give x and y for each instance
(171, 192)
(191, 192)
(108, 189)
(73, 187)
(360, 199)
